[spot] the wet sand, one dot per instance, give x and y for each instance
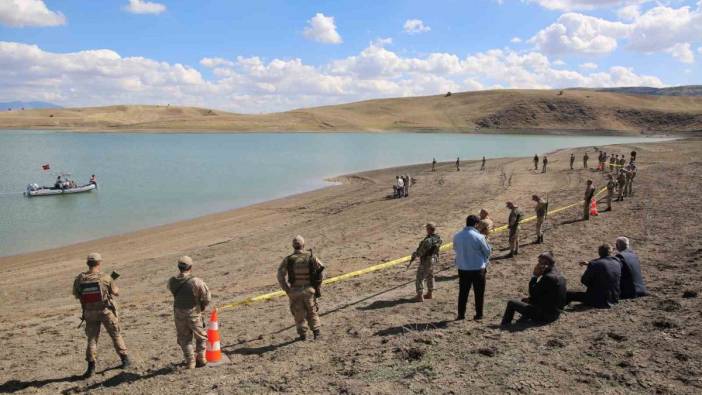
(375, 341)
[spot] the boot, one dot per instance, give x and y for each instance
(302, 337)
(428, 295)
(419, 298)
(317, 334)
(190, 363)
(125, 361)
(200, 362)
(90, 371)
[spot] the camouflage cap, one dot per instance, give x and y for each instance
(94, 257)
(185, 262)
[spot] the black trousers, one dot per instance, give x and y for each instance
(527, 311)
(466, 280)
(576, 296)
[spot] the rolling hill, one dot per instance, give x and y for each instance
(485, 111)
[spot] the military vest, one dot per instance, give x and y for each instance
(93, 291)
(183, 289)
(299, 266)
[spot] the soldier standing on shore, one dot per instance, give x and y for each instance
(458, 164)
(621, 184)
(611, 184)
(585, 158)
(298, 275)
(589, 194)
(630, 174)
(515, 217)
(536, 162)
(428, 254)
(541, 209)
(482, 165)
(572, 160)
(190, 298)
(96, 291)
(545, 162)
(612, 160)
(433, 164)
(406, 178)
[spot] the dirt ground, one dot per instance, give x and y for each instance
(375, 340)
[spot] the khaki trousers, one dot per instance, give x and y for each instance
(189, 325)
(92, 329)
(514, 241)
(425, 272)
(540, 226)
(303, 307)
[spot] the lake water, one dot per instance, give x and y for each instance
(152, 179)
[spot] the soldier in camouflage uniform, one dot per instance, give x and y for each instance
(515, 217)
(96, 291)
(485, 225)
(428, 254)
(621, 183)
(572, 160)
(190, 298)
(295, 276)
(629, 185)
(611, 185)
(585, 158)
(541, 209)
(589, 195)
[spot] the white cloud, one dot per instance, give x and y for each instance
(559, 62)
(660, 29)
(415, 26)
(251, 84)
(25, 13)
(589, 66)
(144, 7)
(682, 52)
(515, 40)
(568, 5)
(321, 28)
(629, 13)
(574, 32)
(699, 50)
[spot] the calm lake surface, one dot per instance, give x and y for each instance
(152, 179)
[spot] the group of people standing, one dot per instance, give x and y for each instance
(401, 186)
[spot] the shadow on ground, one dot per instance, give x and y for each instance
(416, 327)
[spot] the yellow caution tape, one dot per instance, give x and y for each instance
(380, 266)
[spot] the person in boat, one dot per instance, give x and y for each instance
(93, 180)
(58, 184)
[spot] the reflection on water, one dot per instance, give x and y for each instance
(151, 179)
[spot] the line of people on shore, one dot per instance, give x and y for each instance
(608, 278)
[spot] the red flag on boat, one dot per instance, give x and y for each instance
(45, 167)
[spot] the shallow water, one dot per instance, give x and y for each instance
(151, 179)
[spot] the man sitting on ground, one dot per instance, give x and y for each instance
(632, 282)
(601, 278)
(547, 294)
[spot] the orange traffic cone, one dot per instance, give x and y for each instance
(213, 352)
(593, 207)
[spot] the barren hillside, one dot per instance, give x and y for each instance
(497, 110)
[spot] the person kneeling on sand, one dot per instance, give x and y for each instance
(602, 279)
(547, 294)
(190, 298)
(632, 282)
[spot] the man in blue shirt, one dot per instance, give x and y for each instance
(472, 258)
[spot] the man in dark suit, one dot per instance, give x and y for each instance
(602, 278)
(632, 282)
(547, 294)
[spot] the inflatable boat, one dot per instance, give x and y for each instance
(35, 190)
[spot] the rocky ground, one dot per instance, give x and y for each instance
(375, 339)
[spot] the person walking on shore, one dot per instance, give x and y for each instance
(482, 165)
(433, 164)
(485, 225)
(472, 258)
(458, 164)
(545, 162)
(96, 292)
(428, 254)
(589, 194)
(515, 217)
(536, 162)
(541, 209)
(585, 158)
(298, 275)
(190, 298)
(572, 160)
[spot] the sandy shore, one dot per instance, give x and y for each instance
(375, 341)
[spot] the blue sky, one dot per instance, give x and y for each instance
(270, 55)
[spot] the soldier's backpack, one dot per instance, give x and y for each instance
(93, 294)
